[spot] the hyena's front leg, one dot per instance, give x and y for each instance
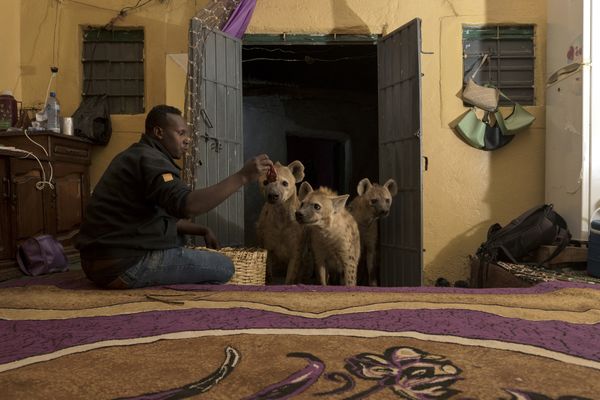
(320, 257)
(321, 269)
(270, 263)
(349, 273)
(370, 257)
(291, 276)
(321, 272)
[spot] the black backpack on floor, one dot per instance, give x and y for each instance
(538, 226)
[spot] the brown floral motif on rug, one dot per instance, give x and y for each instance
(408, 372)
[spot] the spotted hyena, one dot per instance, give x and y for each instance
(277, 229)
(333, 233)
(372, 203)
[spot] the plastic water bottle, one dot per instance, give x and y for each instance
(53, 113)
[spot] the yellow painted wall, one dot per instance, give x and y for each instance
(175, 77)
(465, 190)
(10, 26)
(51, 34)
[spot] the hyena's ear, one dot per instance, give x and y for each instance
(305, 189)
(339, 202)
(297, 169)
(363, 186)
(391, 185)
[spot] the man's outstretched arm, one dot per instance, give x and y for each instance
(203, 200)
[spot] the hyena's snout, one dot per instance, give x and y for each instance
(299, 216)
(380, 210)
(383, 213)
(274, 194)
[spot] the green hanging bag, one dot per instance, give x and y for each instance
(518, 119)
(472, 129)
(482, 133)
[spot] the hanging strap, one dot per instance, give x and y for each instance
(564, 239)
(485, 57)
(505, 96)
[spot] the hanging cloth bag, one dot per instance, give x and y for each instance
(482, 133)
(482, 97)
(472, 129)
(518, 119)
(92, 120)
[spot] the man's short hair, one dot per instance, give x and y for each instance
(157, 117)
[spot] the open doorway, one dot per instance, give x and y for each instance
(324, 160)
(379, 102)
(316, 103)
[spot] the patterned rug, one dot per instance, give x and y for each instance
(62, 338)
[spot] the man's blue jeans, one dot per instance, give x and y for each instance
(175, 266)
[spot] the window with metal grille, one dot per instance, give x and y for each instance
(113, 64)
(511, 59)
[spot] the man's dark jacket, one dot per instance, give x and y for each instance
(135, 206)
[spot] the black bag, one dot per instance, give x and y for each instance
(92, 120)
(538, 226)
(494, 138)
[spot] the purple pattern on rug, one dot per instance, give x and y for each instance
(26, 338)
(296, 383)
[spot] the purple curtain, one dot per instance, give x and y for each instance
(239, 19)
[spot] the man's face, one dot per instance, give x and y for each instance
(174, 136)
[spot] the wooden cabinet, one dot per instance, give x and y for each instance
(5, 226)
(29, 205)
(27, 202)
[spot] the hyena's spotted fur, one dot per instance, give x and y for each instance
(372, 203)
(277, 229)
(333, 232)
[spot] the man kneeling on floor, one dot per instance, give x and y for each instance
(129, 236)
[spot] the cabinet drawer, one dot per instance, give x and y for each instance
(59, 147)
(70, 151)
